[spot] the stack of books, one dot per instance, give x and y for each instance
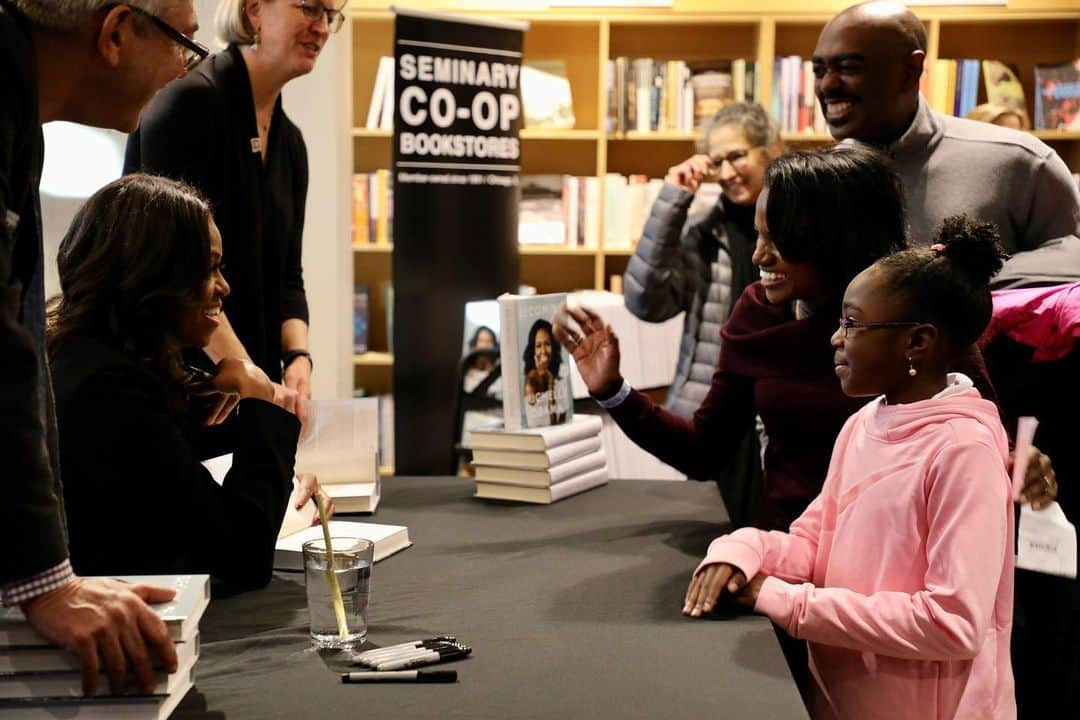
(540, 465)
(39, 680)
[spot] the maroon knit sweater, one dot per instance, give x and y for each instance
(779, 368)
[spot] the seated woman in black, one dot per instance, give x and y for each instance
(140, 273)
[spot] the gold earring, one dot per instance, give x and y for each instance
(911, 371)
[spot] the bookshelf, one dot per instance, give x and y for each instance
(1027, 33)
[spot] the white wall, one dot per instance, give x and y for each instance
(321, 106)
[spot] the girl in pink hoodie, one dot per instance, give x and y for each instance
(899, 575)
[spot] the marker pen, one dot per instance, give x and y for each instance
(427, 658)
(405, 646)
(391, 651)
(420, 676)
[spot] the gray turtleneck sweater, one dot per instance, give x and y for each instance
(950, 165)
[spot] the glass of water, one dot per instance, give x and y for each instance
(352, 571)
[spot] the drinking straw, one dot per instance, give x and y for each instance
(331, 576)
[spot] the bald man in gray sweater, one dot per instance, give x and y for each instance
(867, 66)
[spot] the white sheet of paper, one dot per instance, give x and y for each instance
(1046, 541)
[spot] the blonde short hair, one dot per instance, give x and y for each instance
(990, 112)
(67, 15)
(232, 23)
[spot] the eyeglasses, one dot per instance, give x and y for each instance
(314, 11)
(738, 159)
(193, 52)
(847, 324)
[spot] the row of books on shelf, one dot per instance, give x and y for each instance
(647, 94)
(38, 679)
(794, 105)
(563, 210)
(953, 87)
(373, 208)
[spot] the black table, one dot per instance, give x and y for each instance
(572, 610)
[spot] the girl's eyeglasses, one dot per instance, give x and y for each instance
(847, 324)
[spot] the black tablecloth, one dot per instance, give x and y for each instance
(572, 610)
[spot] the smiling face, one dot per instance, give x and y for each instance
(866, 77)
(783, 281)
(286, 37)
(872, 360)
(198, 321)
(742, 179)
(140, 69)
(542, 350)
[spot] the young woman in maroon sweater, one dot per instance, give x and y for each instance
(822, 218)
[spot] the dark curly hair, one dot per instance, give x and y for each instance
(841, 209)
(948, 283)
(556, 348)
(135, 256)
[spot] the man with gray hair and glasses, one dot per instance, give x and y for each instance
(97, 63)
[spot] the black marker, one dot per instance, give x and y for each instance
(420, 676)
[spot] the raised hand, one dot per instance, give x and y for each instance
(594, 346)
(690, 173)
(1040, 481)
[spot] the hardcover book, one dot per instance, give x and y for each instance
(181, 614)
(544, 477)
(539, 439)
(535, 367)
(1002, 85)
(108, 707)
(67, 682)
(543, 495)
(536, 460)
(1057, 96)
(388, 539)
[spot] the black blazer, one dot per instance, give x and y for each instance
(31, 517)
(138, 501)
(200, 129)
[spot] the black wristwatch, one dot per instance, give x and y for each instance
(288, 356)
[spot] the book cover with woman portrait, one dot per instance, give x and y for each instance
(536, 368)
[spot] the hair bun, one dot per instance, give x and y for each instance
(972, 245)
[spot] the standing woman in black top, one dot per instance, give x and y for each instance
(222, 129)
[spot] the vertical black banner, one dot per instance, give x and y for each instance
(456, 162)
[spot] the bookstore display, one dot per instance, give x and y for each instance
(640, 87)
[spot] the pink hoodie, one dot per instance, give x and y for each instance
(900, 573)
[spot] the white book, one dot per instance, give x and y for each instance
(181, 614)
(109, 707)
(67, 682)
(388, 539)
(536, 460)
(542, 477)
(535, 366)
(386, 118)
(378, 93)
(591, 235)
(545, 495)
(538, 439)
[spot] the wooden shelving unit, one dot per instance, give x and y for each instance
(1028, 33)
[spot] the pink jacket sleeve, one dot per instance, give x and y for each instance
(968, 520)
(787, 555)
